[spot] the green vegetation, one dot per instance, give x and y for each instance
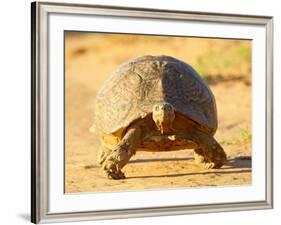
(246, 135)
(233, 59)
(245, 138)
(229, 142)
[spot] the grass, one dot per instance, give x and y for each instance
(245, 138)
(231, 60)
(246, 135)
(229, 142)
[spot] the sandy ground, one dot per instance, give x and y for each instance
(89, 61)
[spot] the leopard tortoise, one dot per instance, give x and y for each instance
(155, 103)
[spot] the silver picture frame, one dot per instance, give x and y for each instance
(39, 97)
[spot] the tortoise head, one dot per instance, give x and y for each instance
(163, 115)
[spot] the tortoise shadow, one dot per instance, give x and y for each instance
(238, 162)
(233, 163)
(190, 174)
(160, 160)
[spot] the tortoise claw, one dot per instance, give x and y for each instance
(115, 175)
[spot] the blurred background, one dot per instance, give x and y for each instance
(224, 64)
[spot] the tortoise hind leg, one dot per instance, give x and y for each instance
(121, 154)
(210, 153)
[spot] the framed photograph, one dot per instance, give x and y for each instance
(146, 112)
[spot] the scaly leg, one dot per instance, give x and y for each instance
(210, 153)
(199, 156)
(102, 154)
(122, 153)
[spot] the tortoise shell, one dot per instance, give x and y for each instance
(132, 90)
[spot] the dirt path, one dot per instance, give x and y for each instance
(148, 170)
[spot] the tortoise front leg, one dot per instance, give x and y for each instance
(210, 153)
(102, 154)
(199, 156)
(122, 153)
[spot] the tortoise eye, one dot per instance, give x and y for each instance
(167, 107)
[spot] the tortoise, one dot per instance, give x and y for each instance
(155, 103)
